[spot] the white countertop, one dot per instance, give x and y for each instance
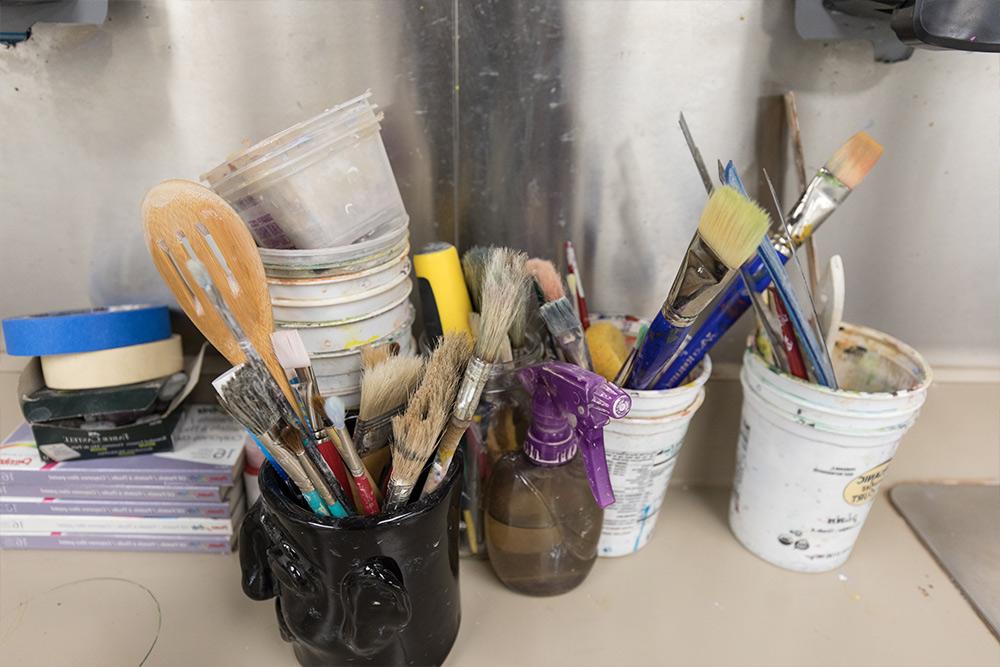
(694, 596)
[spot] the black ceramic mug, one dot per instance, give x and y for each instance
(360, 590)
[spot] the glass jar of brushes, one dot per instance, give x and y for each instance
(500, 425)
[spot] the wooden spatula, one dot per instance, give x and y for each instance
(185, 220)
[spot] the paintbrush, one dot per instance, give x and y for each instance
(294, 358)
(368, 495)
(373, 355)
(504, 284)
(557, 313)
(769, 325)
(828, 188)
(573, 269)
(416, 431)
(385, 389)
(241, 397)
(473, 267)
(256, 381)
(729, 230)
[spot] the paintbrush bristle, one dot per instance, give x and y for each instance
(474, 267)
(289, 349)
(732, 226)
(559, 317)
(852, 161)
(243, 391)
(388, 385)
(504, 286)
(546, 277)
(336, 411)
(416, 431)
(373, 355)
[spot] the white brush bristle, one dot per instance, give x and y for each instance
(290, 349)
(732, 226)
(220, 382)
(336, 411)
(852, 161)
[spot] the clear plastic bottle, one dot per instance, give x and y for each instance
(544, 505)
(542, 525)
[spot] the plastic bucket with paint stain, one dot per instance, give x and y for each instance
(810, 459)
(641, 451)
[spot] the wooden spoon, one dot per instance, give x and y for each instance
(183, 220)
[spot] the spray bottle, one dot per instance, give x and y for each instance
(545, 505)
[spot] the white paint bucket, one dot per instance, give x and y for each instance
(341, 286)
(333, 336)
(810, 459)
(641, 452)
(346, 307)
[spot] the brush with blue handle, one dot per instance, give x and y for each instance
(730, 228)
(828, 189)
(815, 351)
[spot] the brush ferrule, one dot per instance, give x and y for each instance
(376, 433)
(701, 276)
(823, 195)
(477, 372)
(345, 446)
(397, 493)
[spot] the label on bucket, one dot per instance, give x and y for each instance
(863, 487)
(639, 476)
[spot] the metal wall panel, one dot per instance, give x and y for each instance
(510, 122)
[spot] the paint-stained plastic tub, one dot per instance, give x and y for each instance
(325, 337)
(321, 183)
(340, 286)
(642, 449)
(347, 307)
(384, 243)
(810, 459)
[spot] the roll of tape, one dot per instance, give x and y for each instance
(114, 367)
(85, 330)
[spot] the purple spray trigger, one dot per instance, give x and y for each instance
(560, 389)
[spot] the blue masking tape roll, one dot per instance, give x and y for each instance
(85, 330)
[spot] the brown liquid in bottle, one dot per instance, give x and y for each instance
(542, 525)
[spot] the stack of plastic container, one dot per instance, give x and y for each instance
(321, 200)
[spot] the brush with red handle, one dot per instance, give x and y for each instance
(796, 365)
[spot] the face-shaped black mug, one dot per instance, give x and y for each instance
(360, 590)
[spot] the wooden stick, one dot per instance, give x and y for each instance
(792, 116)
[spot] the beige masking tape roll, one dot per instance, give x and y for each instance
(114, 367)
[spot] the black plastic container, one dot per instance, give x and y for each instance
(361, 590)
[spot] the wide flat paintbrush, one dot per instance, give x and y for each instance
(729, 231)
(416, 431)
(504, 284)
(385, 388)
(827, 190)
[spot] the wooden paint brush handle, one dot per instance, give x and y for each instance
(447, 446)
(367, 492)
(796, 365)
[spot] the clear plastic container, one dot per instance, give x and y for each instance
(384, 243)
(322, 183)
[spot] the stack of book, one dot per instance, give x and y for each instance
(189, 499)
